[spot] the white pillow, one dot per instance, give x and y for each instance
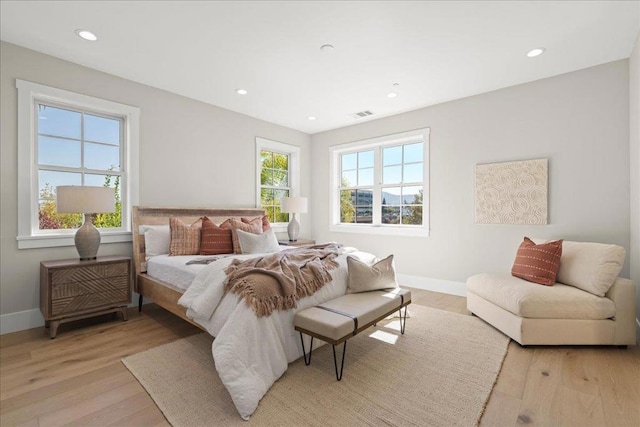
(365, 277)
(264, 243)
(156, 239)
(592, 267)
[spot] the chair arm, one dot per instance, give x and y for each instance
(623, 295)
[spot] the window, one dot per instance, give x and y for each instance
(70, 139)
(278, 177)
(381, 185)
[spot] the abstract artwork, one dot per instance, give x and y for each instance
(512, 192)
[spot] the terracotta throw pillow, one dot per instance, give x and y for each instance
(185, 239)
(538, 263)
(263, 221)
(215, 240)
(236, 224)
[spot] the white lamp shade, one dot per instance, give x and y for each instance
(83, 199)
(294, 204)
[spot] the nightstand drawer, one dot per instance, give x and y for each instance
(73, 289)
(88, 301)
(84, 274)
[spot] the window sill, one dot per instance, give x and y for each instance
(31, 242)
(379, 230)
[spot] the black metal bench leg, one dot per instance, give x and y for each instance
(403, 320)
(335, 360)
(304, 354)
(140, 303)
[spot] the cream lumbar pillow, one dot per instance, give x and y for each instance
(264, 243)
(365, 277)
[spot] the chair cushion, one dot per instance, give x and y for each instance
(526, 299)
(366, 306)
(592, 267)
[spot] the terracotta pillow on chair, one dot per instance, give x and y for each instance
(215, 240)
(538, 263)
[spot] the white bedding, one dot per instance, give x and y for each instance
(173, 269)
(252, 352)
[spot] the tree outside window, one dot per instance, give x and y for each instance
(274, 184)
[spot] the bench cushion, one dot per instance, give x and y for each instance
(366, 306)
(526, 299)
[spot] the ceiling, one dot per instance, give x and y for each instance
(435, 51)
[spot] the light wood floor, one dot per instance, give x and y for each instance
(77, 378)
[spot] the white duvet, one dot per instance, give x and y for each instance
(251, 352)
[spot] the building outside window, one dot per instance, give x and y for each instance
(379, 185)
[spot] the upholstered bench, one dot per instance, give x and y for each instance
(338, 320)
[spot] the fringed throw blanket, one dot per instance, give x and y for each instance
(277, 281)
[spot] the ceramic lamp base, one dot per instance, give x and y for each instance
(293, 229)
(87, 239)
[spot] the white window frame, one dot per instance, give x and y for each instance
(293, 152)
(29, 94)
(376, 144)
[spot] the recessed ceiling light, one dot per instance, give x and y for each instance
(326, 48)
(392, 95)
(312, 117)
(87, 35)
(241, 91)
(536, 52)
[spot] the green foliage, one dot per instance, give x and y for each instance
(274, 179)
(51, 219)
(110, 220)
(414, 212)
(347, 210)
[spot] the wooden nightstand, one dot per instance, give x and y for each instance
(72, 289)
(299, 242)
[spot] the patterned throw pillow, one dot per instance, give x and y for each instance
(263, 221)
(185, 239)
(215, 240)
(365, 277)
(236, 224)
(538, 263)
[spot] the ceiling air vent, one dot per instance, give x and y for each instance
(361, 114)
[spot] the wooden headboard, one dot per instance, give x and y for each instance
(160, 216)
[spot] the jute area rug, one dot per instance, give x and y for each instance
(439, 373)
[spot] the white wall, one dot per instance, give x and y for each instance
(191, 154)
(579, 121)
(634, 138)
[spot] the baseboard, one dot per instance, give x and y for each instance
(436, 285)
(28, 319)
(20, 320)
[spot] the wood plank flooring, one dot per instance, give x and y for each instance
(77, 379)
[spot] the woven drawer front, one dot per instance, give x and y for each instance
(82, 274)
(73, 289)
(84, 302)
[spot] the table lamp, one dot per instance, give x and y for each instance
(88, 201)
(294, 205)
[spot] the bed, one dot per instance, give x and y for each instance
(163, 293)
(250, 351)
